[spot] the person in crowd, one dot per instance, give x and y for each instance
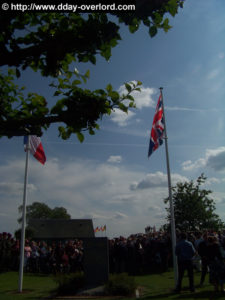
(15, 255)
(203, 252)
(185, 252)
(34, 257)
(216, 264)
(43, 257)
(27, 254)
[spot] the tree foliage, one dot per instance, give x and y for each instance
(39, 210)
(193, 208)
(52, 43)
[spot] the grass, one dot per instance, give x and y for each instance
(34, 286)
(153, 287)
(161, 286)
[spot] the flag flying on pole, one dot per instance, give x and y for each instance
(97, 229)
(156, 138)
(36, 148)
(103, 228)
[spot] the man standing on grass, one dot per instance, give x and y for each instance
(185, 252)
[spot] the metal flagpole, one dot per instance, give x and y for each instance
(22, 240)
(172, 219)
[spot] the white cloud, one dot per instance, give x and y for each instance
(15, 188)
(221, 55)
(124, 198)
(156, 180)
(178, 108)
(143, 98)
(214, 159)
(119, 215)
(213, 180)
(120, 117)
(115, 159)
(213, 74)
(94, 216)
(87, 189)
(189, 165)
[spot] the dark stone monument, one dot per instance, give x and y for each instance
(96, 261)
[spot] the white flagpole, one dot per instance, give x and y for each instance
(172, 221)
(22, 239)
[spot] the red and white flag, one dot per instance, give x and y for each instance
(35, 148)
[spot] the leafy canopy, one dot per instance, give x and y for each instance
(52, 43)
(193, 208)
(39, 210)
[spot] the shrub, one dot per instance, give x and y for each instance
(69, 284)
(120, 285)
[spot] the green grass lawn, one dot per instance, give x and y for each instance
(158, 286)
(161, 286)
(34, 286)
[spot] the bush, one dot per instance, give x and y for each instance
(120, 285)
(69, 284)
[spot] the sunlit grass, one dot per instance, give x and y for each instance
(156, 286)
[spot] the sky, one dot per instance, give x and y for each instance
(109, 178)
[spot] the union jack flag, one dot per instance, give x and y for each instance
(156, 138)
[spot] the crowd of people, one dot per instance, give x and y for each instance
(138, 254)
(41, 257)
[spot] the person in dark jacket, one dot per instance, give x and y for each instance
(185, 252)
(216, 264)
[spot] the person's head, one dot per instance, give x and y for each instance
(211, 239)
(205, 236)
(183, 236)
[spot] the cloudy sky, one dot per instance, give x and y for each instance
(108, 177)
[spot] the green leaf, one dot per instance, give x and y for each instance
(147, 22)
(91, 131)
(17, 73)
(153, 31)
(131, 98)
(57, 93)
(172, 7)
(166, 25)
(114, 96)
(76, 82)
(132, 104)
(123, 107)
(134, 26)
(62, 133)
(80, 136)
(113, 42)
(158, 18)
(87, 74)
(128, 87)
(93, 59)
(109, 88)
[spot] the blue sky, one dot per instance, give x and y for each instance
(108, 177)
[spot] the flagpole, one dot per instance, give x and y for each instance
(22, 239)
(172, 219)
